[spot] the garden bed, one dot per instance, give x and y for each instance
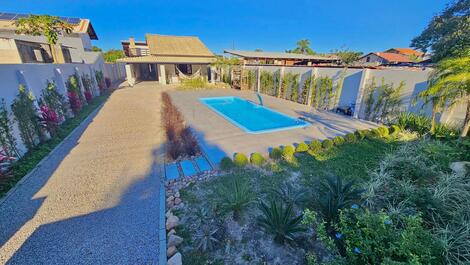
(272, 210)
(29, 160)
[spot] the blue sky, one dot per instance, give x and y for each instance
(363, 25)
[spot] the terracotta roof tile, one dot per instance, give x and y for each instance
(394, 57)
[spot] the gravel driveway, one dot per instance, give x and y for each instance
(95, 199)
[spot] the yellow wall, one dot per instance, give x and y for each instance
(9, 52)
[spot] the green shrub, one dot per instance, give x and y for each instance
(376, 238)
(276, 153)
(226, 163)
(394, 129)
(327, 144)
(302, 147)
(279, 220)
(257, 159)
(361, 134)
(383, 131)
(350, 137)
(233, 195)
(338, 140)
(375, 133)
(194, 83)
(315, 146)
(288, 153)
(240, 160)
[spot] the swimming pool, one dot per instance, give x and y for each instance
(251, 117)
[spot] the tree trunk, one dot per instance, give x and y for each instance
(466, 123)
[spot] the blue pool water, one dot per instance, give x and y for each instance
(251, 117)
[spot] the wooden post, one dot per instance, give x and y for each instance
(312, 89)
(281, 76)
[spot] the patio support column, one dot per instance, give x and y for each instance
(129, 75)
(258, 78)
(162, 74)
(211, 69)
(360, 92)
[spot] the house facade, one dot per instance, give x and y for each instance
(75, 47)
(166, 59)
(384, 58)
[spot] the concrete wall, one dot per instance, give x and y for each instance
(36, 76)
(355, 81)
(9, 51)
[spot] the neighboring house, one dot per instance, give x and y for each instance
(166, 59)
(407, 52)
(75, 47)
(282, 58)
(384, 58)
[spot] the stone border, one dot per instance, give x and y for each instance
(86, 121)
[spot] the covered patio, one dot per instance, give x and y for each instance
(168, 59)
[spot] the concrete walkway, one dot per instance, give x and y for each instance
(95, 200)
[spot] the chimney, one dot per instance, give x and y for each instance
(132, 48)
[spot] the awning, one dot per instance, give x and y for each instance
(167, 59)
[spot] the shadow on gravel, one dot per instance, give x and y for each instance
(20, 206)
(124, 234)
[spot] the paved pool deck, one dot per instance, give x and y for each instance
(221, 138)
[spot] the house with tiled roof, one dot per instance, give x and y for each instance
(406, 52)
(166, 59)
(385, 58)
(75, 47)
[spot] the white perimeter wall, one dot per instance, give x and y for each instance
(35, 77)
(356, 79)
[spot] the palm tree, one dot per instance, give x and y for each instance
(449, 84)
(303, 47)
(49, 26)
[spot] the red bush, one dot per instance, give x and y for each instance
(181, 141)
(49, 119)
(74, 101)
(88, 96)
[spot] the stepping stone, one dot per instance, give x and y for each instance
(188, 168)
(171, 171)
(203, 164)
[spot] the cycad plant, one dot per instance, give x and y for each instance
(206, 238)
(290, 195)
(336, 196)
(234, 196)
(278, 219)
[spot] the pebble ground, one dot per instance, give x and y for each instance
(95, 200)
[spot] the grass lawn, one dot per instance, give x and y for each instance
(350, 161)
(29, 161)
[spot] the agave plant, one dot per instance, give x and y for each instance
(290, 195)
(336, 196)
(234, 196)
(206, 238)
(279, 220)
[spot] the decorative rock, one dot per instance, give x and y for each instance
(175, 260)
(171, 251)
(172, 222)
(177, 194)
(169, 199)
(177, 201)
(174, 240)
(172, 232)
(459, 167)
(168, 214)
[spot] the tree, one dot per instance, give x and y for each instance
(303, 47)
(112, 55)
(96, 49)
(448, 34)
(49, 26)
(449, 84)
(347, 56)
(258, 50)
